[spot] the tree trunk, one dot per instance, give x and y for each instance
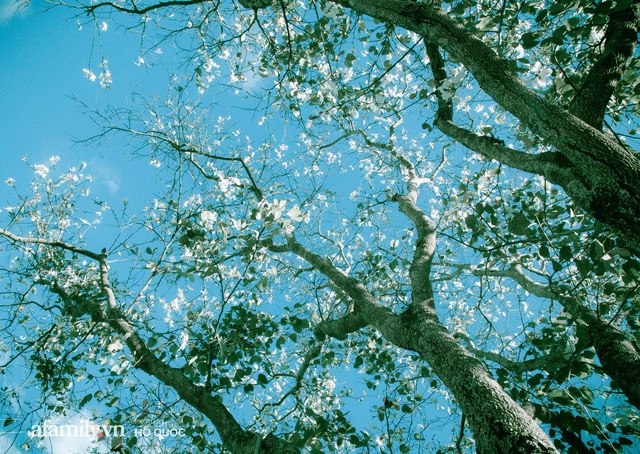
(619, 357)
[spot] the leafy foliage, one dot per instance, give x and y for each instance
(281, 285)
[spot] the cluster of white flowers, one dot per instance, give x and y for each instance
(208, 218)
(105, 75)
(542, 75)
(41, 170)
(89, 74)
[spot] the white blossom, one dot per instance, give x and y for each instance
(542, 75)
(89, 74)
(41, 170)
(208, 218)
(105, 75)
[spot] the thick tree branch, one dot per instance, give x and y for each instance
(552, 166)
(57, 244)
(496, 79)
(590, 102)
(422, 299)
(340, 328)
(546, 362)
(367, 310)
(436, 63)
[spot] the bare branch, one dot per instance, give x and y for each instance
(140, 11)
(58, 244)
(253, 187)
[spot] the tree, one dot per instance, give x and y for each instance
(257, 279)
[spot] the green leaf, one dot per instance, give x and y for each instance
(542, 15)
(485, 23)
(544, 251)
(85, 400)
(625, 441)
(584, 267)
(299, 324)
(349, 59)
(565, 253)
(528, 40)
(518, 224)
(471, 221)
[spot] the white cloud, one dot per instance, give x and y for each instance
(7, 445)
(83, 441)
(12, 8)
(104, 174)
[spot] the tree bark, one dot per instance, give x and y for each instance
(590, 102)
(620, 358)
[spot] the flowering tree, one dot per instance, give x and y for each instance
(431, 213)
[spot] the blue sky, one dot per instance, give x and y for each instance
(42, 59)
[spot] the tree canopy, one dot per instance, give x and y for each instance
(418, 232)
